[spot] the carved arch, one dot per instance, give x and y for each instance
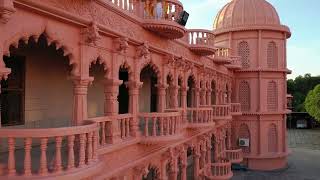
(154, 67)
(100, 59)
(125, 65)
(50, 37)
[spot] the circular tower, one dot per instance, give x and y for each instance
(253, 32)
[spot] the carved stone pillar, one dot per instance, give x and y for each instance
(209, 152)
(184, 166)
(173, 170)
(161, 97)
(209, 97)
(203, 157)
(174, 96)
(229, 96)
(80, 91)
(196, 156)
(111, 108)
(111, 91)
(197, 97)
(203, 97)
(134, 87)
(184, 91)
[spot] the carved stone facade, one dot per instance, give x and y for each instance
(118, 93)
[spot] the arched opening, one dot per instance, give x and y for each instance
(96, 91)
(180, 92)
(212, 149)
(202, 95)
(37, 87)
(123, 97)
(190, 164)
(152, 174)
(226, 94)
(190, 92)
(148, 91)
(169, 92)
(213, 93)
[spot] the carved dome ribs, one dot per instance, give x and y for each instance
(240, 15)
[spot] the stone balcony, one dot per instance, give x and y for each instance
(236, 109)
(166, 25)
(220, 170)
(234, 156)
(49, 152)
(160, 127)
(222, 56)
(200, 41)
(235, 63)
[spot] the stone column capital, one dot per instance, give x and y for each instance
(134, 84)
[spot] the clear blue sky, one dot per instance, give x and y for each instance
(302, 16)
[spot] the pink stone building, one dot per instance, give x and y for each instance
(120, 90)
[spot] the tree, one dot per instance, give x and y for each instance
(312, 103)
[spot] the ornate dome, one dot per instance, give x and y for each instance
(248, 14)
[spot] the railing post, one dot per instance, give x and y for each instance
(58, 164)
(71, 139)
(27, 156)
(89, 147)
(43, 158)
(11, 158)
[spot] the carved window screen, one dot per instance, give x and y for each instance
(272, 96)
(244, 95)
(244, 53)
(272, 55)
(272, 138)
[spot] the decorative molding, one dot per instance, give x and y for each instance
(91, 34)
(6, 10)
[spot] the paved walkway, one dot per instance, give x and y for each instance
(303, 163)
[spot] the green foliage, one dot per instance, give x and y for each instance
(299, 88)
(312, 103)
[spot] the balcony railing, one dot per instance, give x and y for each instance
(51, 151)
(201, 41)
(221, 112)
(220, 170)
(222, 56)
(234, 156)
(160, 126)
(236, 109)
(201, 116)
(163, 22)
(114, 129)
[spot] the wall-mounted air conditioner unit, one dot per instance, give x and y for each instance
(244, 142)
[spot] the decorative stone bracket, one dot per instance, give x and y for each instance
(91, 34)
(6, 10)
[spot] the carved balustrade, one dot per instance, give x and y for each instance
(114, 129)
(163, 21)
(201, 116)
(222, 56)
(44, 152)
(160, 125)
(234, 156)
(236, 109)
(220, 170)
(221, 112)
(200, 41)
